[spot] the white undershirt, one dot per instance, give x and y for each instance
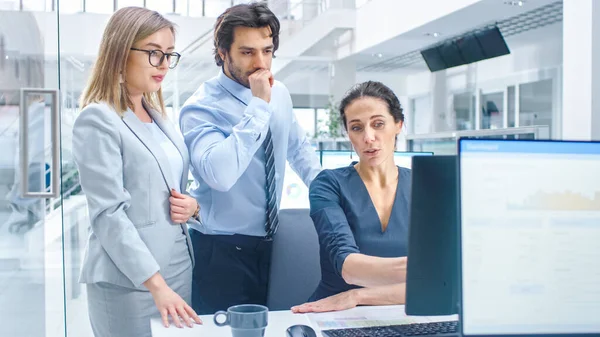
(175, 159)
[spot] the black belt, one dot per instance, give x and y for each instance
(257, 243)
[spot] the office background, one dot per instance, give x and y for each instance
(542, 89)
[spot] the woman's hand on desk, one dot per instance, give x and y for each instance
(382, 295)
(183, 207)
(342, 301)
(169, 303)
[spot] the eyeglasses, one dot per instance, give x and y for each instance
(157, 57)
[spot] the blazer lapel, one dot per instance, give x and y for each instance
(137, 127)
(177, 139)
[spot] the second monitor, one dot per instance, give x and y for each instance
(432, 275)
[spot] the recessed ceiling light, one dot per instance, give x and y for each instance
(434, 34)
(519, 3)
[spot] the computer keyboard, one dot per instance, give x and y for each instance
(415, 329)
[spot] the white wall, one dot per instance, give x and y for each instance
(581, 70)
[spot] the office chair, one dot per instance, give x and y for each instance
(295, 268)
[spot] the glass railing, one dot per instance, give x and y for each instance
(445, 142)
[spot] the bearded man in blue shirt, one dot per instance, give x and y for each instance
(240, 129)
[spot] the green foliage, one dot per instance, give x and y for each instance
(332, 121)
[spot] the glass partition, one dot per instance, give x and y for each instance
(492, 110)
(464, 110)
(536, 103)
(32, 295)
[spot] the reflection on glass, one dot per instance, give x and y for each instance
(31, 257)
(535, 103)
(464, 110)
(492, 109)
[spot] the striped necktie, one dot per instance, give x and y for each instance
(272, 216)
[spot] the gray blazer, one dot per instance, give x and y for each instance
(126, 178)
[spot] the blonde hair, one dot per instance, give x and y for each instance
(126, 26)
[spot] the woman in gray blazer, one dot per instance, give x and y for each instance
(133, 167)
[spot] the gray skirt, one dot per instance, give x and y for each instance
(116, 311)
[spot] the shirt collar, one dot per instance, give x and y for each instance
(234, 88)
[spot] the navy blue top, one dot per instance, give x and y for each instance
(347, 222)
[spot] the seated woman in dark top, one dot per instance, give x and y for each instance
(361, 211)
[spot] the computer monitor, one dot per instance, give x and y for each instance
(332, 159)
(529, 237)
(432, 275)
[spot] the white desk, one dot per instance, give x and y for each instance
(279, 321)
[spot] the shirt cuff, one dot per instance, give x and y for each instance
(261, 113)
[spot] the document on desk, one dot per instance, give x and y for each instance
(367, 316)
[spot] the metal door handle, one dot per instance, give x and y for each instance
(55, 150)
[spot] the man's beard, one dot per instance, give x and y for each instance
(237, 74)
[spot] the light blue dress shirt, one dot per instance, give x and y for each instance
(224, 127)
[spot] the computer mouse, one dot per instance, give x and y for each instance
(300, 331)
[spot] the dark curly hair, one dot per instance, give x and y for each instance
(252, 15)
(376, 90)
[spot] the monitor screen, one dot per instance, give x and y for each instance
(530, 234)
